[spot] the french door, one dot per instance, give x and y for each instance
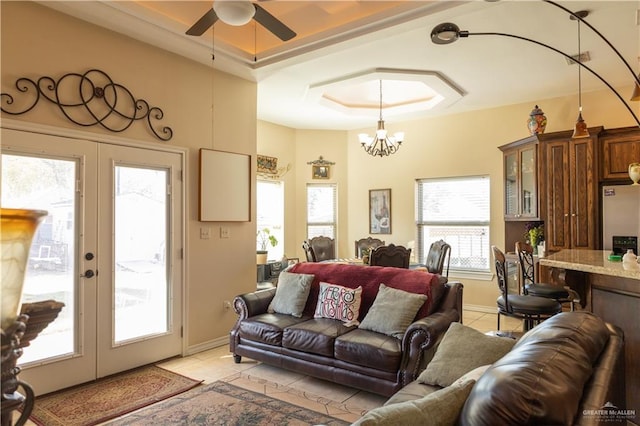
(110, 249)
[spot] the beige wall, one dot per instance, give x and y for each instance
(455, 145)
(37, 41)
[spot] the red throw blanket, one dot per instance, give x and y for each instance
(370, 278)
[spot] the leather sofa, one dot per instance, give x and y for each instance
(330, 350)
(567, 370)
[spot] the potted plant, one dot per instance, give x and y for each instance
(264, 237)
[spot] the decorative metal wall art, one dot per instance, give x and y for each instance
(267, 164)
(87, 99)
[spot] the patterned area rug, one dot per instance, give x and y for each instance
(108, 398)
(221, 403)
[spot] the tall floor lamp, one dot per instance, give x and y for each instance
(447, 33)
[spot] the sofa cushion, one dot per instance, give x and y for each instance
(440, 408)
(267, 328)
(315, 336)
(541, 380)
(291, 294)
(339, 303)
(461, 350)
(369, 349)
(392, 311)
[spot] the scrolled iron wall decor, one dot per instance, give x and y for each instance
(89, 99)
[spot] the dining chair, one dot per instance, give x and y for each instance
(320, 248)
(367, 243)
(391, 255)
(531, 309)
(531, 287)
(439, 254)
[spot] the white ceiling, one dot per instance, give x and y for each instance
(488, 71)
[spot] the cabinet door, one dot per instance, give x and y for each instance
(528, 183)
(618, 154)
(583, 193)
(511, 185)
(557, 174)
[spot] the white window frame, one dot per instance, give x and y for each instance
(482, 221)
(272, 220)
(333, 222)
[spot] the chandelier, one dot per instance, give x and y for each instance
(381, 144)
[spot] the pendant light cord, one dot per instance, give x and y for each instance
(380, 100)
(579, 72)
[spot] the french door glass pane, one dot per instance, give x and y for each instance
(141, 284)
(47, 184)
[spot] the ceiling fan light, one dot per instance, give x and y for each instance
(235, 13)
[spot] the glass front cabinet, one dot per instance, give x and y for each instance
(521, 179)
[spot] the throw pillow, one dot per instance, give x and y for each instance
(440, 408)
(339, 303)
(392, 311)
(461, 350)
(291, 295)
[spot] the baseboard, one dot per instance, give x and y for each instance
(211, 344)
(480, 308)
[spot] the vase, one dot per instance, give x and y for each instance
(261, 257)
(537, 121)
(634, 173)
(16, 233)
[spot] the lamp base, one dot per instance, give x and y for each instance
(11, 398)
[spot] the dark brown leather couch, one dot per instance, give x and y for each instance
(567, 370)
(329, 350)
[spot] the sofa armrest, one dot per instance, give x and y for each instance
(250, 304)
(423, 334)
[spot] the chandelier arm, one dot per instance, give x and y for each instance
(580, 19)
(635, 117)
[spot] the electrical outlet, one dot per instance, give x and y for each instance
(226, 304)
(224, 232)
(205, 233)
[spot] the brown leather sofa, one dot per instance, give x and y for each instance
(328, 349)
(567, 370)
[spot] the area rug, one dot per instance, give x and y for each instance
(108, 398)
(221, 403)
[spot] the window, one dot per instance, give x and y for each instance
(457, 211)
(270, 214)
(321, 210)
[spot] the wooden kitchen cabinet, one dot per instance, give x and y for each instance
(571, 191)
(620, 147)
(521, 196)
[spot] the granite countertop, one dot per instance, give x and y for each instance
(594, 261)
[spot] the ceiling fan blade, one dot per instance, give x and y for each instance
(203, 24)
(272, 23)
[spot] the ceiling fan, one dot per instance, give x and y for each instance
(239, 13)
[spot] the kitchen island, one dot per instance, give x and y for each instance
(610, 290)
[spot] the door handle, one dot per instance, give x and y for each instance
(88, 274)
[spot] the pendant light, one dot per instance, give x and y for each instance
(580, 129)
(381, 144)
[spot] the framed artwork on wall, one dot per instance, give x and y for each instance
(380, 211)
(219, 200)
(320, 172)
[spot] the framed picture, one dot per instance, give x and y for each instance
(320, 172)
(380, 211)
(219, 201)
(293, 260)
(267, 164)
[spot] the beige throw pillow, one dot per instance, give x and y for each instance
(392, 311)
(291, 295)
(440, 408)
(461, 350)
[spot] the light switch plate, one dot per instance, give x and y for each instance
(224, 232)
(205, 233)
